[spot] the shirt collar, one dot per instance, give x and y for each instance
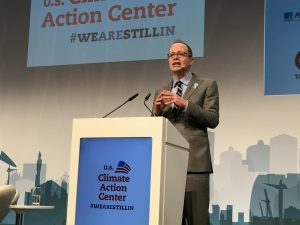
(185, 80)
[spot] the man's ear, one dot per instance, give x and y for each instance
(192, 61)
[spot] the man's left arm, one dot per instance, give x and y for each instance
(207, 114)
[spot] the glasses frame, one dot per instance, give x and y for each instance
(178, 54)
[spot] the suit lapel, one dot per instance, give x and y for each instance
(192, 86)
(168, 87)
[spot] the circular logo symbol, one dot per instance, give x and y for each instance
(297, 60)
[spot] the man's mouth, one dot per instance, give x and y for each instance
(176, 64)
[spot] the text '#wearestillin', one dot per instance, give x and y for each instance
(123, 34)
(112, 207)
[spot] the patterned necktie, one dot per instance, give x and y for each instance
(179, 88)
(178, 84)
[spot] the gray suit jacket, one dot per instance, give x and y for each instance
(202, 112)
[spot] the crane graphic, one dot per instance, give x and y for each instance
(280, 187)
(268, 206)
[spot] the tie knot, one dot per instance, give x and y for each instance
(178, 83)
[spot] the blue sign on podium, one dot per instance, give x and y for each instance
(114, 181)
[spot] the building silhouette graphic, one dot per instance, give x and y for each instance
(36, 190)
(284, 154)
(38, 170)
(54, 195)
(258, 157)
(215, 215)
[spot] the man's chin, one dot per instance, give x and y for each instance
(176, 69)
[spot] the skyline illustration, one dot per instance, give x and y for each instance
(34, 190)
(233, 181)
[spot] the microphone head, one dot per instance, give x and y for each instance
(147, 97)
(133, 97)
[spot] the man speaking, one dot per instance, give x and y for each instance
(191, 103)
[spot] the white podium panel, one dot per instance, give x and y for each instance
(126, 170)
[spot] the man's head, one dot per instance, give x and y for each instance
(180, 58)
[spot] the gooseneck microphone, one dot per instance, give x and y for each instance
(147, 96)
(146, 99)
(132, 97)
(128, 100)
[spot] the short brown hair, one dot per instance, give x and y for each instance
(190, 51)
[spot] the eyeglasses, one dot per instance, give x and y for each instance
(178, 54)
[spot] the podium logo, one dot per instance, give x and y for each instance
(123, 167)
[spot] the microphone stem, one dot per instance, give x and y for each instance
(115, 109)
(148, 108)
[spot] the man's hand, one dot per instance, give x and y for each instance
(169, 97)
(159, 104)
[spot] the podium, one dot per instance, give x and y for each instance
(129, 171)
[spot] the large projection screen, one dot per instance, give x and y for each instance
(80, 31)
